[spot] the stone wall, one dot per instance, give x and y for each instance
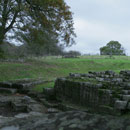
(100, 91)
(20, 86)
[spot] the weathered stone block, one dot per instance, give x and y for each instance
(120, 105)
(126, 97)
(19, 107)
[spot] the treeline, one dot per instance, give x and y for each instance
(22, 51)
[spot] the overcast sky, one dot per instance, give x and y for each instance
(97, 22)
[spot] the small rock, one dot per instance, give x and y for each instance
(52, 110)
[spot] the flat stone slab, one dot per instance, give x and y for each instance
(20, 84)
(12, 105)
(72, 120)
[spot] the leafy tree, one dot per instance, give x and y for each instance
(11, 50)
(112, 48)
(48, 16)
(37, 42)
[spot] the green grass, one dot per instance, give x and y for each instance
(83, 79)
(39, 88)
(50, 68)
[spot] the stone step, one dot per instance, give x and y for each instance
(126, 97)
(8, 90)
(120, 105)
(14, 85)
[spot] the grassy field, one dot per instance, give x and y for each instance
(50, 68)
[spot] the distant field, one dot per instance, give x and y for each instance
(49, 68)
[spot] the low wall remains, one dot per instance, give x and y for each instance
(100, 91)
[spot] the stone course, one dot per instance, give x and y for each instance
(18, 86)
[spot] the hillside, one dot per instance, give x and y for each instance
(49, 68)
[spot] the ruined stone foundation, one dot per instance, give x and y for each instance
(105, 92)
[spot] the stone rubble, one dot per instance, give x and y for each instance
(92, 101)
(19, 104)
(71, 120)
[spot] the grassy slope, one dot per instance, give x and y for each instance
(51, 68)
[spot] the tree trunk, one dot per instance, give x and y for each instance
(2, 36)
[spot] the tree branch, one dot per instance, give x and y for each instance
(12, 22)
(14, 17)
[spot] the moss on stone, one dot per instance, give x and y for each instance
(83, 79)
(101, 92)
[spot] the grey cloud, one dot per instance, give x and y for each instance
(99, 21)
